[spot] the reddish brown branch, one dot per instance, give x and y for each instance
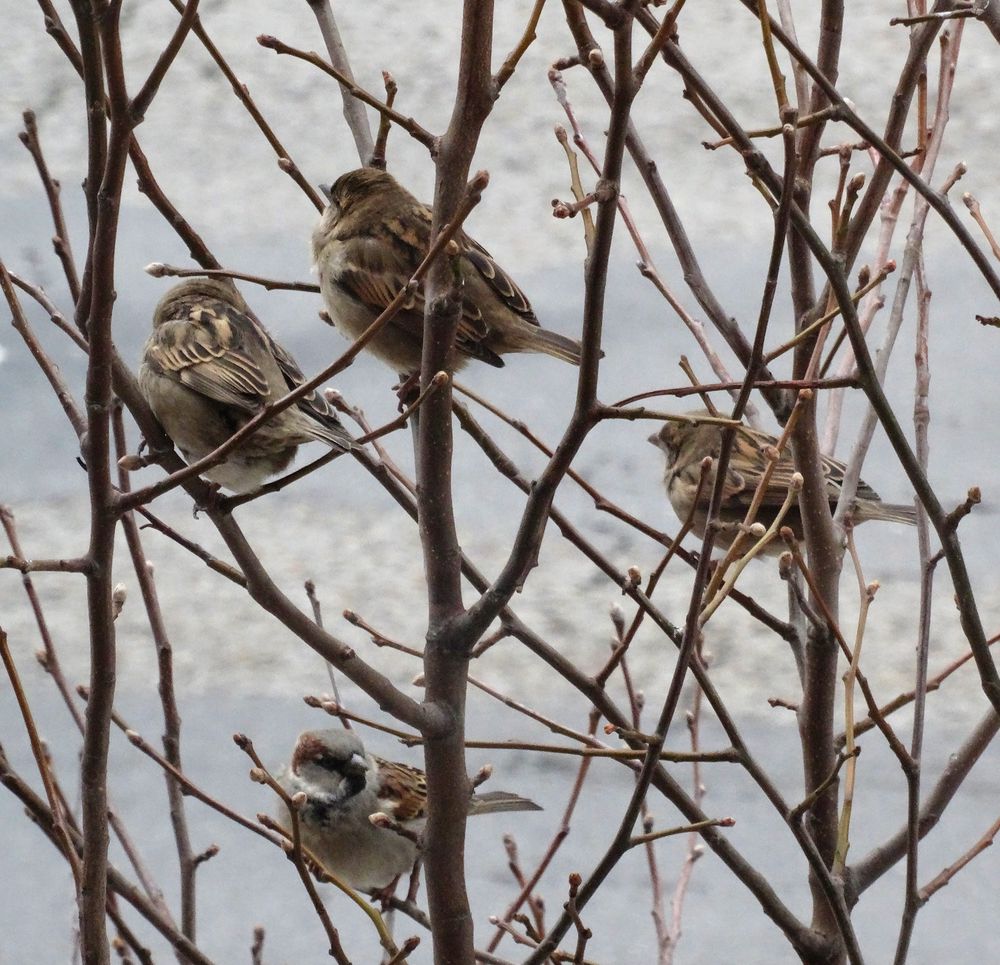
(48, 367)
(116, 882)
(141, 102)
(354, 111)
(241, 91)
(408, 124)
(60, 242)
(187, 860)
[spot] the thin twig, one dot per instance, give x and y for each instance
(408, 124)
(159, 270)
(354, 112)
(41, 759)
(60, 242)
(439, 379)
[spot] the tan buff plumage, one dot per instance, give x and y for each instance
(343, 785)
(366, 247)
(686, 444)
(208, 367)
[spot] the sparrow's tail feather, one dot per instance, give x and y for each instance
(551, 343)
(332, 433)
(494, 801)
(893, 512)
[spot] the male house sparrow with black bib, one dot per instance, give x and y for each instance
(366, 247)
(208, 367)
(686, 444)
(343, 785)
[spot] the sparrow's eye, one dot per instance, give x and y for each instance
(330, 763)
(671, 443)
(338, 764)
(333, 205)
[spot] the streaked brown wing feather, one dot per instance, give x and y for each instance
(211, 351)
(312, 403)
(402, 791)
(781, 475)
(835, 479)
(499, 281)
(374, 272)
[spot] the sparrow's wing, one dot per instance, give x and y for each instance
(375, 269)
(835, 480)
(747, 465)
(215, 349)
(313, 404)
(402, 790)
(492, 802)
(501, 285)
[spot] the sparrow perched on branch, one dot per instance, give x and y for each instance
(367, 246)
(343, 786)
(686, 444)
(208, 367)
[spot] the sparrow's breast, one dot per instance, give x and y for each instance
(360, 854)
(678, 492)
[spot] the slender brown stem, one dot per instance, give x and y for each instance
(509, 65)
(140, 103)
(61, 243)
(242, 92)
(408, 124)
(401, 420)
(884, 856)
(944, 877)
(159, 270)
(187, 861)
(48, 367)
(59, 819)
(117, 883)
(531, 882)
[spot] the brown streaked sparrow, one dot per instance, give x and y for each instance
(686, 444)
(366, 247)
(208, 367)
(343, 786)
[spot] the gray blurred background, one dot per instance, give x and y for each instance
(238, 670)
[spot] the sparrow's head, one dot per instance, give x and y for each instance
(200, 288)
(332, 758)
(356, 187)
(670, 438)
(357, 202)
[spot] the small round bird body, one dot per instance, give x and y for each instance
(342, 786)
(367, 246)
(687, 442)
(208, 367)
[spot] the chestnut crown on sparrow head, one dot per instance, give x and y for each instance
(344, 785)
(367, 245)
(686, 444)
(208, 367)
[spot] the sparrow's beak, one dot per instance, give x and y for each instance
(357, 763)
(325, 188)
(654, 439)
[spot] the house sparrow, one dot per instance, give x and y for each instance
(208, 367)
(343, 785)
(367, 246)
(686, 444)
